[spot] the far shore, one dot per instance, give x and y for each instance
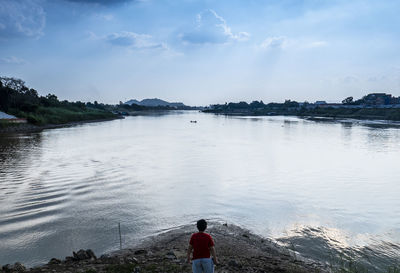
(238, 251)
(30, 128)
(319, 118)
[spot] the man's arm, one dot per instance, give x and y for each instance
(189, 253)
(214, 254)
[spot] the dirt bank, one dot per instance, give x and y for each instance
(238, 251)
(29, 128)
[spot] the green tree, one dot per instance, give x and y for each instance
(348, 100)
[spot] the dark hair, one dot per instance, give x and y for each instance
(201, 225)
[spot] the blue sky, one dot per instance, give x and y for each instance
(202, 52)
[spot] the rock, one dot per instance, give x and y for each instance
(105, 256)
(17, 267)
(84, 255)
(70, 259)
(91, 254)
(141, 252)
(80, 255)
(54, 261)
(131, 260)
(233, 263)
(170, 255)
(6, 268)
(108, 259)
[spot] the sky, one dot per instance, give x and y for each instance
(202, 52)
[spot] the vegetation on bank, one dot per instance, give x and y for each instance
(356, 113)
(23, 102)
(258, 108)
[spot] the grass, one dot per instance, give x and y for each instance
(6, 124)
(62, 114)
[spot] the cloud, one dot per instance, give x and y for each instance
(133, 40)
(12, 60)
(21, 18)
(279, 42)
(282, 42)
(101, 2)
(350, 79)
(317, 44)
(212, 29)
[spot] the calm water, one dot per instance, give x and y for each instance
(321, 188)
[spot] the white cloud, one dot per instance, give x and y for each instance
(317, 44)
(279, 42)
(21, 19)
(105, 17)
(12, 60)
(350, 79)
(133, 40)
(212, 29)
(101, 2)
(282, 42)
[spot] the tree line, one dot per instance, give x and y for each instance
(24, 102)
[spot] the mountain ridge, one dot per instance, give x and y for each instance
(154, 102)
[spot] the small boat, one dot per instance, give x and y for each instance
(193, 121)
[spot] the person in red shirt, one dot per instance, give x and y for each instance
(202, 244)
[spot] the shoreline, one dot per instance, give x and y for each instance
(31, 128)
(319, 118)
(238, 251)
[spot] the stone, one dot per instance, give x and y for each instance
(233, 263)
(131, 260)
(170, 255)
(141, 252)
(17, 267)
(82, 255)
(70, 259)
(7, 268)
(90, 253)
(54, 261)
(105, 256)
(108, 259)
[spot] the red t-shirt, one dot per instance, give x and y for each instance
(201, 243)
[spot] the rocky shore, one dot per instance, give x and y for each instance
(238, 251)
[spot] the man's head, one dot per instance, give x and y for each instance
(201, 225)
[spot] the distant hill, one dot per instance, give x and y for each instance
(155, 102)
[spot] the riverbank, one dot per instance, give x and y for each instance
(387, 114)
(372, 122)
(30, 128)
(238, 251)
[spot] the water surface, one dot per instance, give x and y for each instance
(319, 187)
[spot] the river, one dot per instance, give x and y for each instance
(324, 189)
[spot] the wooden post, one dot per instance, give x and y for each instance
(120, 240)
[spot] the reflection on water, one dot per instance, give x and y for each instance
(324, 187)
(336, 248)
